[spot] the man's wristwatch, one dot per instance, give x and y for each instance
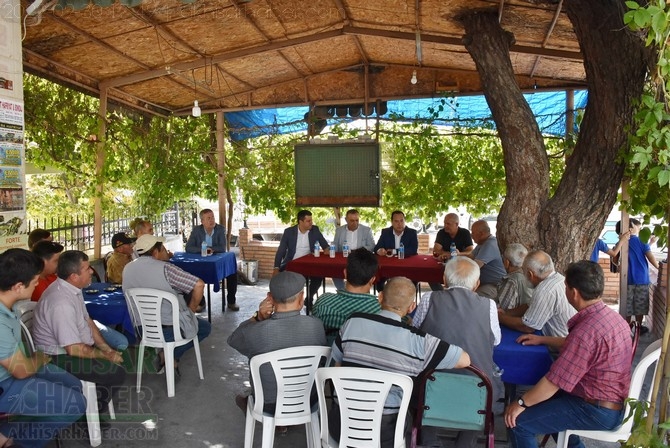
(521, 403)
(255, 317)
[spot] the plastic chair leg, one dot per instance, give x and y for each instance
(196, 348)
(249, 425)
(168, 350)
(140, 365)
(268, 433)
(92, 416)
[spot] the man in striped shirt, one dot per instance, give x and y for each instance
(382, 341)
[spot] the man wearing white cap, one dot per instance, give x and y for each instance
(152, 270)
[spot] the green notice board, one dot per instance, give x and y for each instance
(338, 174)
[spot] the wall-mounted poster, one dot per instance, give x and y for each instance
(12, 176)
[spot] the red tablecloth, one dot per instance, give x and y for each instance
(418, 268)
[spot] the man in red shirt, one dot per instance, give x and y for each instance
(588, 383)
(48, 251)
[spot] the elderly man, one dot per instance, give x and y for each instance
(49, 252)
(276, 325)
(451, 233)
(214, 235)
(355, 235)
(548, 310)
(152, 270)
(382, 341)
(298, 241)
(335, 309)
(392, 237)
(122, 255)
(588, 383)
(487, 256)
(63, 329)
(48, 397)
(514, 290)
(461, 316)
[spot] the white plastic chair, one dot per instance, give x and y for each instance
(148, 302)
(361, 394)
(650, 357)
(25, 311)
(294, 369)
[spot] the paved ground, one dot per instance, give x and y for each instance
(203, 412)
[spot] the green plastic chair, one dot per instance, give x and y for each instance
(457, 401)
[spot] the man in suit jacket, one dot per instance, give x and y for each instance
(356, 235)
(298, 241)
(391, 238)
(215, 236)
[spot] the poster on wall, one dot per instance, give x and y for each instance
(12, 176)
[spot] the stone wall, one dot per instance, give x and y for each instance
(658, 305)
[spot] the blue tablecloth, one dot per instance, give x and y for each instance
(521, 364)
(108, 307)
(211, 269)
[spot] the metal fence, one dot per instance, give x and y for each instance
(76, 232)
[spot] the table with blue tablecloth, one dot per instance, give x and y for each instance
(106, 304)
(521, 364)
(210, 269)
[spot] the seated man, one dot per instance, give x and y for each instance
(122, 255)
(48, 396)
(152, 270)
(382, 341)
(588, 383)
(214, 235)
(461, 316)
(392, 237)
(63, 329)
(355, 235)
(548, 310)
(49, 252)
(450, 234)
(276, 325)
(487, 256)
(514, 290)
(334, 309)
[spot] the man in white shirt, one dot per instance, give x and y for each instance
(356, 235)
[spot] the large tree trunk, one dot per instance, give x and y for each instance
(615, 59)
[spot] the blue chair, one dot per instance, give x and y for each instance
(457, 401)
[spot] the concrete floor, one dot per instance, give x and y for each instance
(203, 412)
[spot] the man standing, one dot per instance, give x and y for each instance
(514, 289)
(63, 329)
(548, 310)
(276, 325)
(152, 270)
(334, 309)
(32, 387)
(355, 235)
(487, 256)
(451, 233)
(588, 383)
(462, 317)
(214, 235)
(122, 255)
(381, 341)
(298, 241)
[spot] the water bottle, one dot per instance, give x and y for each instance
(401, 252)
(453, 251)
(345, 249)
(317, 250)
(332, 249)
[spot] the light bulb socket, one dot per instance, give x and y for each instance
(413, 80)
(196, 112)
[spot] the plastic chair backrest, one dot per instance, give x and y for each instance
(25, 311)
(637, 381)
(148, 303)
(361, 395)
(294, 369)
(651, 348)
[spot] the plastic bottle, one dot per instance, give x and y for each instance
(317, 250)
(453, 251)
(345, 249)
(203, 249)
(332, 249)
(401, 252)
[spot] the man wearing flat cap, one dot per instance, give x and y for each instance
(276, 325)
(122, 255)
(152, 270)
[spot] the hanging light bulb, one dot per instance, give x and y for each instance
(196, 112)
(413, 80)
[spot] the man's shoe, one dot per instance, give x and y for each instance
(241, 402)
(643, 329)
(233, 307)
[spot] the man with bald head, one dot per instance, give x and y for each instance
(549, 309)
(451, 233)
(487, 256)
(364, 342)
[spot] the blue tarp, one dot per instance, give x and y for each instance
(465, 111)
